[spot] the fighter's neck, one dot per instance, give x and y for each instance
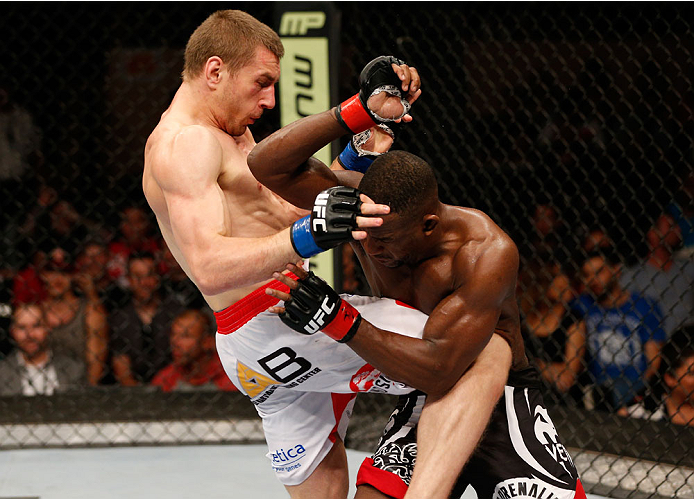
(191, 101)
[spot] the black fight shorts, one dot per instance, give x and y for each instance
(519, 456)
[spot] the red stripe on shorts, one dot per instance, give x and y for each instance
(580, 493)
(403, 304)
(340, 401)
(234, 316)
(385, 481)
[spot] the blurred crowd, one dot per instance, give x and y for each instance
(612, 335)
(87, 303)
(84, 304)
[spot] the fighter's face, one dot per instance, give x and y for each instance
(394, 243)
(249, 91)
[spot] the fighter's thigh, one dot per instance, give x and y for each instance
(301, 429)
(368, 492)
(329, 480)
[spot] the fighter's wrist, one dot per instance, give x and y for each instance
(350, 159)
(302, 240)
(353, 115)
(345, 324)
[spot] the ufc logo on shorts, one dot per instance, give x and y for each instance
(319, 211)
(318, 320)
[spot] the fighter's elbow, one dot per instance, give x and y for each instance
(252, 160)
(256, 164)
(440, 380)
(205, 280)
(437, 389)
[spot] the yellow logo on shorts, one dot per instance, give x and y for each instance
(252, 382)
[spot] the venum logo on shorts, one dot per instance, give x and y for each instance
(287, 459)
(546, 434)
(523, 488)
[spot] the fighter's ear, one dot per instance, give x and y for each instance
(430, 222)
(213, 71)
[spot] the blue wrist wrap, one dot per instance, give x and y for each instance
(302, 239)
(350, 160)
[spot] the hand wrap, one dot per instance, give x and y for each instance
(331, 222)
(354, 157)
(315, 306)
(376, 77)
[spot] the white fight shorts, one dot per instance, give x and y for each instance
(302, 386)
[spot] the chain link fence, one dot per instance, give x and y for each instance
(570, 125)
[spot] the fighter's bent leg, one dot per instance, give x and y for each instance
(457, 421)
(329, 480)
(369, 492)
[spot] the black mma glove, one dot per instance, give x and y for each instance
(376, 77)
(315, 306)
(331, 222)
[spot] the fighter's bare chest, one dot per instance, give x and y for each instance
(248, 201)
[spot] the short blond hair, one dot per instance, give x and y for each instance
(232, 35)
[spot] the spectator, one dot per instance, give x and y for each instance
(623, 333)
(682, 212)
(595, 240)
(21, 232)
(78, 323)
(668, 280)
(57, 222)
(20, 139)
(555, 336)
(93, 277)
(673, 396)
(34, 369)
(27, 286)
(135, 237)
(20, 157)
(5, 312)
(140, 330)
(195, 365)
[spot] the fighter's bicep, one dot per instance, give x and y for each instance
(461, 323)
(196, 219)
(464, 321)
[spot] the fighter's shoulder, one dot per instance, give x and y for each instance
(486, 248)
(180, 151)
(182, 140)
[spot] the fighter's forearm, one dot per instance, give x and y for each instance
(282, 162)
(424, 364)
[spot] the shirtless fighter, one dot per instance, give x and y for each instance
(456, 265)
(229, 234)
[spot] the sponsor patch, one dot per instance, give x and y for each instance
(284, 460)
